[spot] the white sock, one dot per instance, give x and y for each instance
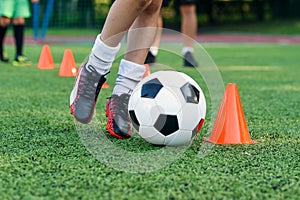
(154, 50)
(129, 75)
(187, 49)
(102, 56)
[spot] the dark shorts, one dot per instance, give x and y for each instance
(166, 3)
(184, 2)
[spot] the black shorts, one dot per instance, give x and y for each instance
(166, 3)
(184, 2)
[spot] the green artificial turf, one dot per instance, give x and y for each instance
(43, 157)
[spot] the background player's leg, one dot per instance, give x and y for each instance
(188, 24)
(189, 31)
(153, 51)
(4, 22)
(18, 26)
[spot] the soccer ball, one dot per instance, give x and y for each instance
(167, 108)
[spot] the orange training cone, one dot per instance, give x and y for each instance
(230, 126)
(46, 60)
(105, 85)
(147, 72)
(68, 64)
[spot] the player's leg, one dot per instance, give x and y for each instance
(158, 35)
(189, 30)
(6, 12)
(142, 30)
(4, 22)
(188, 24)
(21, 11)
(131, 70)
(91, 75)
(153, 51)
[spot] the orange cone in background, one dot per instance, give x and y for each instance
(147, 72)
(105, 85)
(68, 64)
(230, 126)
(46, 59)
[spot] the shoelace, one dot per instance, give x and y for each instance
(119, 105)
(88, 83)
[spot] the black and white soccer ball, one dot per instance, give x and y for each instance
(167, 108)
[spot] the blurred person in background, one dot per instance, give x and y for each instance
(15, 12)
(188, 29)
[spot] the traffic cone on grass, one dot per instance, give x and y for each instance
(105, 85)
(68, 64)
(230, 126)
(46, 59)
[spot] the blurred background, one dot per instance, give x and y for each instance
(212, 14)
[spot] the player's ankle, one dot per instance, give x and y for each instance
(102, 56)
(129, 75)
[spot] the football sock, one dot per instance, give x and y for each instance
(19, 37)
(154, 50)
(2, 35)
(102, 56)
(129, 75)
(187, 49)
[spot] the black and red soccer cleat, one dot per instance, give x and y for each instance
(85, 92)
(118, 123)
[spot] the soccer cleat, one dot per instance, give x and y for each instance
(189, 60)
(4, 57)
(85, 92)
(118, 123)
(21, 61)
(150, 59)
